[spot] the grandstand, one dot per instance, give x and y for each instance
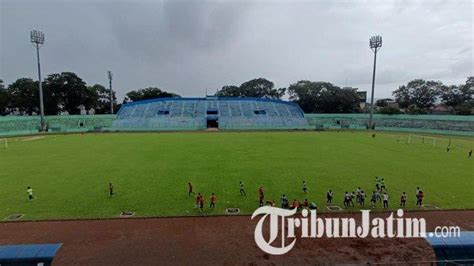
(209, 112)
(24, 125)
(436, 124)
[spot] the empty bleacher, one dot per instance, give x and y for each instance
(24, 125)
(193, 113)
(437, 124)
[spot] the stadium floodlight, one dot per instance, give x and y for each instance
(375, 44)
(109, 75)
(37, 39)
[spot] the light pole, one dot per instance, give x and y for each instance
(375, 44)
(109, 75)
(37, 38)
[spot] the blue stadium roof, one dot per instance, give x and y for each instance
(23, 253)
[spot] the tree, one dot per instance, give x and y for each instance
(323, 97)
(418, 93)
(148, 93)
(229, 91)
(24, 95)
(4, 99)
(255, 88)
(102, 101)
(460, 98)
(69, 91)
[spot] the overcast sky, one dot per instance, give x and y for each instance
(190, 46)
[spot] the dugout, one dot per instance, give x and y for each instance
(453, 249)
(28, 255)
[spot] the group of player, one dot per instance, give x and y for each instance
(380, 194)
(199, 200)
(285, 202)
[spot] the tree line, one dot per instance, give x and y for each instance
(67, 93)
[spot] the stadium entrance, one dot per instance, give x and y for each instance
(212, 122)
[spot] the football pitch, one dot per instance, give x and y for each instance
(70, 173)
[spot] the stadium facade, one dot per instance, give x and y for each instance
(209, 113)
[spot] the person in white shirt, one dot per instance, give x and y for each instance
(385, 200)
(29, 191)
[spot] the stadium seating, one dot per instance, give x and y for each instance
(232, 114)
(193, 114)
(22, 125)
(439, 124)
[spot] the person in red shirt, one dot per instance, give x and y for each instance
(419, 200)
(201, 203)
(306, 203)
(190, 189)
(198, 200)
(296, 204)
(213, 201)
(271, 203)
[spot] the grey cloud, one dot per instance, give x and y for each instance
(191, 46)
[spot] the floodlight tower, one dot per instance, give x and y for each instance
(109, 75)
(37, 39)
(375, 44)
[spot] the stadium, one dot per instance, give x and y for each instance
(236, 133)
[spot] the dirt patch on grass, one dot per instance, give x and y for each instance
(219, 240)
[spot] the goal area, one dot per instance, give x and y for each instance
(3, 143)
(429, 140)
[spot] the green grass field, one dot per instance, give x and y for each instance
(150, 171)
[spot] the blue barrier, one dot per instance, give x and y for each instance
(28, 254)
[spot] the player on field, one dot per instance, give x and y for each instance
(242, 189)
(201, 203)
(284, 202)
(305, 203)
(111, 189)
(403, 199)
(29, 191)
(352, 198)
(305, 187)
(271, 203)
(417, 193)
(419, 199)
(470, 153)
(347, 199)
(362, 198)
(378, 194)
(382, 184)
(213, 201)
(261, 195)
(373, 199)
(198, 200)
(190, 189)
(296, 204)
(377, 182)
(358, 194)
(385, 200)
(329, 196)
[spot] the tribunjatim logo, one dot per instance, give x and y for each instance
(284, 224)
